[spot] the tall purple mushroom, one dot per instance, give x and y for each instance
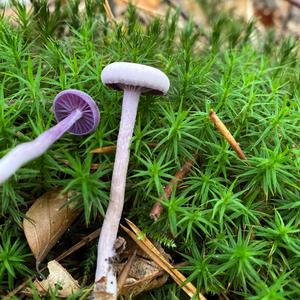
(134, 80)
(75, 111)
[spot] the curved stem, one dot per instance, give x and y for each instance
(26, 152)
(105, 274)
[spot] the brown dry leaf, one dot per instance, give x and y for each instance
(58, 277)
(148, 283)
(47, 220)
(143, 273)
(145, 244)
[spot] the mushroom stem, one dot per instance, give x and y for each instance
(26, 152)
(105, 273)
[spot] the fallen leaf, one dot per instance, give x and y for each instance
(144, 275)
(59, 279)
(47, 220)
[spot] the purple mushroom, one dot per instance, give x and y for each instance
(134, 80)
(75, 111)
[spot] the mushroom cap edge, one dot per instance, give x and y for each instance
(151, 80)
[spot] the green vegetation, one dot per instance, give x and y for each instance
(235, 222)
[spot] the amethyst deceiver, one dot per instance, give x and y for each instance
(75, 111)
(134, 80)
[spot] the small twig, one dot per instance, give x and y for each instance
(224, 297)
(125, 271)
(106, 149)
(157, 208)
(112, 148)
(80, 244)
(93, 166)
(226, 134)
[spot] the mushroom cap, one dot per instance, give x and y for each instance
(121, 75)
(69, 100)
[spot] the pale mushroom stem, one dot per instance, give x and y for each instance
(26, 152)
(105, 273)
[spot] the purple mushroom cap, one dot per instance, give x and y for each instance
(69, 100)
(127, 75)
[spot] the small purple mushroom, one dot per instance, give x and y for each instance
(134, 80)
(75, 111)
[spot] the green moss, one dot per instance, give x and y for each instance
(235, 222)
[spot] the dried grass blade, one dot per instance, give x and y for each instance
(226, 134)
(145, 244)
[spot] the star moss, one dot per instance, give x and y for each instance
(235, 222)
